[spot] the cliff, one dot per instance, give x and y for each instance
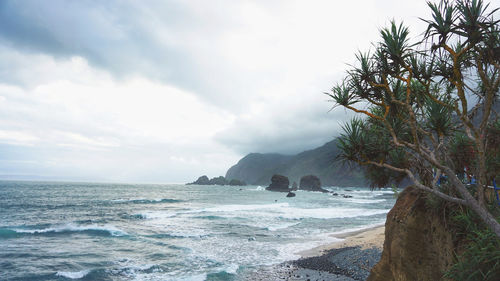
(419, 244)
(257, 168)
(426, 238)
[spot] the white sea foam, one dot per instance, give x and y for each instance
(364, 227)
(199, 277)
(73, 275)
(232, 268)
(327, 213)
(144, 200)
(280, 210)
(290, 251)
(281, 226)
(364, 201)
(235, 208)
(157, 214)
(70, 227)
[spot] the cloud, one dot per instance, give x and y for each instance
(97, 127)
(223, 51)
(284, 125)
(168, 90)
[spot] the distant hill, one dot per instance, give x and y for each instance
(258, 168)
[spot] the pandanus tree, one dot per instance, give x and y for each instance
(427, 107)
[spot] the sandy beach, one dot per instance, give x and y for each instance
(350, 259)
(366, 238)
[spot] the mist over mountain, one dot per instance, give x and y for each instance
(258, 168)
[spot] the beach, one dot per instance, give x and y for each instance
(349, 259)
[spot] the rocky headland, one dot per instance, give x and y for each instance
(203, 180)
(258, 168)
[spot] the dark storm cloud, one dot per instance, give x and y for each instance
(112, 35)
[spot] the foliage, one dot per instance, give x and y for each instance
(429, 105)
(395, 191)
(481, 257)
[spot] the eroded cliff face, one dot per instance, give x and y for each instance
(418, 242)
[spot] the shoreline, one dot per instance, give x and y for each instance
(349, 259)
(370, 237)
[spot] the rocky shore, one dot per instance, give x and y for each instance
(348, 260)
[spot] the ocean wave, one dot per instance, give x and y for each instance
(73, 274)
(210, 217)
(243, 207)
(133, 269)
(198, 277)
(361, 228)
(292, 251)
(225, 273)
(180, 235)
(146, 201)
(364, 201)
(285, 211)
(106, 230)
(281, 226)
(7, 233)
(329, 213)
(156, 214)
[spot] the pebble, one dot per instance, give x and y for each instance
(344, 264)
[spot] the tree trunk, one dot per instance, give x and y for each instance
(472, 203)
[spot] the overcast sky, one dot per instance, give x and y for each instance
(165, 91)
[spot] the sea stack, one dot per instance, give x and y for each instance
(311, 183)
(279, 183)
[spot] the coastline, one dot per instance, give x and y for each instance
(349, 259)
(365, 238)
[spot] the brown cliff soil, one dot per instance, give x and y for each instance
(419, 245)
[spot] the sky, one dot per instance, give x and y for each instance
(166, 91)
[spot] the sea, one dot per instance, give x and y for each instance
(103, 231)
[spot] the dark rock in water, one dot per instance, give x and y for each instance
(290, 194)
(235, 182)
(335, 194)
(311, 183)
(203, 180)
(279, 183)
(347, 196)
(294, 186)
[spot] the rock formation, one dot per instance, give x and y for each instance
(203, 180)
(290, 194)
(279, 183)
(218, 181)
(418, 243)
(311, 183)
